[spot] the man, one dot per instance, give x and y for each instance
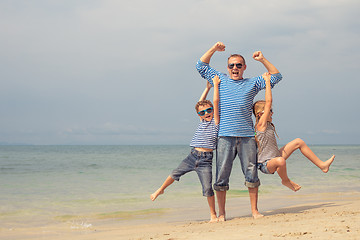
(236, 134)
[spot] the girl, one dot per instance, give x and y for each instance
(270, 157)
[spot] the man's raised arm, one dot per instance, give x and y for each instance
(219, 46)
(258, 56)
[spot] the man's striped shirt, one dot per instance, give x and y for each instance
(236, 100)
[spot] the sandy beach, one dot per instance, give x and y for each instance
(320, 216)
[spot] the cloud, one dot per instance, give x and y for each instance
(114, 71)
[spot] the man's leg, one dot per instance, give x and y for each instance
(225, 155)
(247, 151)
(221, 198)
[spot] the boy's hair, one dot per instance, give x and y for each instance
(237, 55)
(202, 103)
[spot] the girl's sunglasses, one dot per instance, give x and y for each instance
(208, 110)
(238, 65)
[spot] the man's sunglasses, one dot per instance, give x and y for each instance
(208, 110)
(238, 65)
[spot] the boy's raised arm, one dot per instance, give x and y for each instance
(216, 81)
(205, 92)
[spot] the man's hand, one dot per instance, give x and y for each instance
(219, 46)
(258, 56)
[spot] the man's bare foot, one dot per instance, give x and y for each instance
(213, 219)
(290, 184)
(327, 164)
(257, 215)
(221, 218)
(156, 194)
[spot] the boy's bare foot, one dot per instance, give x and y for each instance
(156, 194)
(221, 218)
(257, 215)
(327, 164)
(290, 184)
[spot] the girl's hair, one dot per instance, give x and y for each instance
(202, 103)
(258, 108)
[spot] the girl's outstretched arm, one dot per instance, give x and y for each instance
(261, 126)
(216, 81)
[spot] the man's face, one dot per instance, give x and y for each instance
(235, 70)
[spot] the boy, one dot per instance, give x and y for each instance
(203, 143)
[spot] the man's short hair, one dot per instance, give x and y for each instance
(237, 55)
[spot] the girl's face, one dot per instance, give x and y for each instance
(270, 115)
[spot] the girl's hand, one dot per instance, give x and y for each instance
(208, 85)
(267, 76)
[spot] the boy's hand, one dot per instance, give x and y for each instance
(208, 85)
(216, 80)
(219, 46)
(258, 56)
(267, 76)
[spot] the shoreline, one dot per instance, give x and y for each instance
(317, 216)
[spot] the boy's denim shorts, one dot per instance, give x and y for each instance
(201, 162)
(263, 167)
(227, 150)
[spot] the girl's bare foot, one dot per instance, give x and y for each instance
(257, 215)
(156, 194)
(327, 164)
(290, 184)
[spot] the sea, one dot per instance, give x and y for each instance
(85, 186)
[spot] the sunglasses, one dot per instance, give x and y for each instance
(208, 110)
(238, 65)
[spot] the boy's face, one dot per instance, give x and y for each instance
(235, 72)
(207, 116)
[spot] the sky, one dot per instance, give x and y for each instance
(123, 72)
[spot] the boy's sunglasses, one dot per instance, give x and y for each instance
(208, 110)
(238, 65)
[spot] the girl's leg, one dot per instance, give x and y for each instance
(211, 202)
(166, 183)
(279, 165)
(298, 143)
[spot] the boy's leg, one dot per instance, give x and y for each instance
(204, 170)
(247, 151)
(187, 165)
(211, 202)
(166, 183)
(298, 143)
(225, 155)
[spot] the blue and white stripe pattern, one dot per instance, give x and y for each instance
(205, 135)
(236, 100)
